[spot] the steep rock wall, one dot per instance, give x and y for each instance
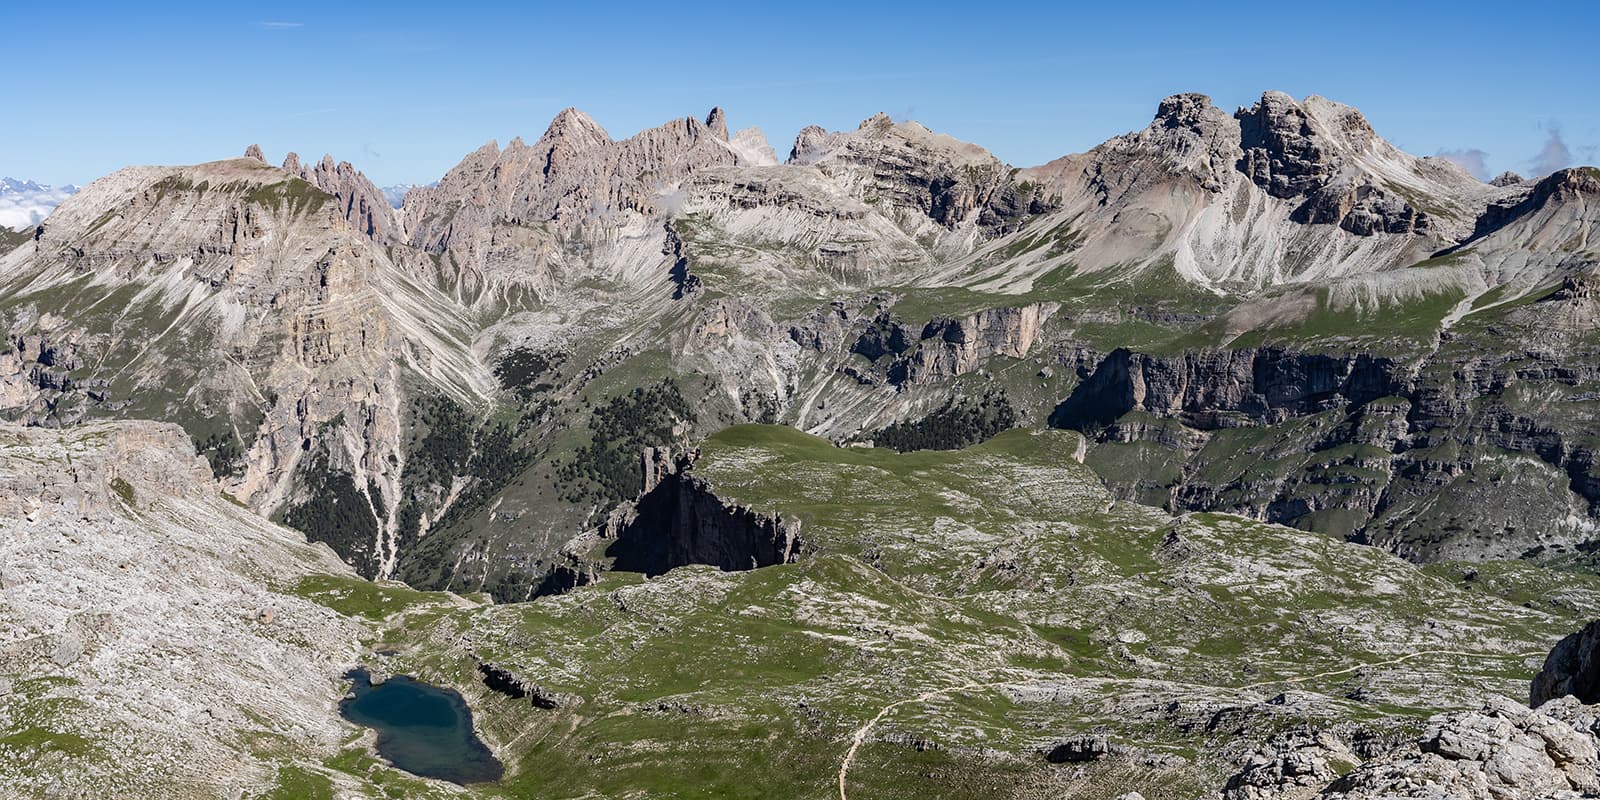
(679, 520)
(1469, 452)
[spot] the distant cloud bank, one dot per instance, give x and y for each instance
(24, 203)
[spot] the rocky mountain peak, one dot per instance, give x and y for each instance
(1282, 152)
(254, 151)
(877, 121)
(1574, 181)
(1507, 178)
(1346, 124)
(752, 147)
(1327, 156)
(361, 202)
(809, 144)
(576, 127)
(1187, 110)
(717, 121)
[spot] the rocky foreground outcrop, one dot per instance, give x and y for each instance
(147, 634)
(1501, 751)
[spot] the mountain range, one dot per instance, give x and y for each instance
(882, 414)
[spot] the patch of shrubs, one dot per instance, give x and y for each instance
(606, 471)
(955, 425)
(338, 514)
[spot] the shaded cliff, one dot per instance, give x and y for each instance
(679, 520)
(1573, 667)
(1225, 388)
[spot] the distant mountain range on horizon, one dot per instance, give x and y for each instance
(25, 202)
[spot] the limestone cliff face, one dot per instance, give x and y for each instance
(951, 346)
(679, 520)
(1461, 453)
(241, 300)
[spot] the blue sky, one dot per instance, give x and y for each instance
(404, 90)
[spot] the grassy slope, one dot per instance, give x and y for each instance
(1006, 562)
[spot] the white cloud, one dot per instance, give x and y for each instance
(1553, 156)
(1472, 160)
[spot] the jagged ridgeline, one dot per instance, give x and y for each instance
(1271, 312)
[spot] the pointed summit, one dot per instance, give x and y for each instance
(717, 121)
(254, 151)
(291, 163)
(577, 128)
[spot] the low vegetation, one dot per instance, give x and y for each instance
(957, 424)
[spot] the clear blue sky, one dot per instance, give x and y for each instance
(404, 90)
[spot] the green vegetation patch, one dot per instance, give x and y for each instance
(298, 783)
(605, 471)
(123, 490)
(337, 513)
(355, 597)
(953, 426)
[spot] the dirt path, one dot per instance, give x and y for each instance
(862, 732)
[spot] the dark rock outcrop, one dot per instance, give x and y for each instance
(502, 679)
(1573, 667)
(949, 346)
(1076, 751)
(684, 282)
(1560, 186)
(1217, 389)
(1286, 154)
(884, 336)
(1507, 178)
(679, 520)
